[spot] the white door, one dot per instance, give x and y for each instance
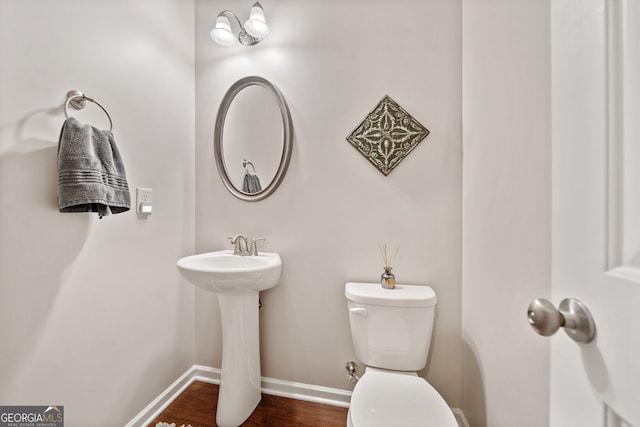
(596, 208)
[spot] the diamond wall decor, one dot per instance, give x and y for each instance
(387, 135)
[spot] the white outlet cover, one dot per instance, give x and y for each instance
(144, 200)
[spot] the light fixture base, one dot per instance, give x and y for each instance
(246, 39)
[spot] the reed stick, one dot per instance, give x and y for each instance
(388, 261)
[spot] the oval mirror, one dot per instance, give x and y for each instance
(252, 138)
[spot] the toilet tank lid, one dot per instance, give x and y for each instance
(401, 296)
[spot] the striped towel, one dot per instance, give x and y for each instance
(91, 175)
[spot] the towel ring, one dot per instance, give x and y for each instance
(78, 104)
(245, 165)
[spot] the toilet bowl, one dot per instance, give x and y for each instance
(391, 332)
(383, 398)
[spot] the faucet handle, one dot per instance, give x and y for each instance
(254, 245)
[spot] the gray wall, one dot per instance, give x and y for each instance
(507, 208)
(93, 315)
(334, 61)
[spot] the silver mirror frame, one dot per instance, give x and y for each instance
(287, 143)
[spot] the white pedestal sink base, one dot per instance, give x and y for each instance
(240, 380)
(237, 281)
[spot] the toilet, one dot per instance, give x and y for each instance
(391, 333)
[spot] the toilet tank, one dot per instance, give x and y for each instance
(391, 328)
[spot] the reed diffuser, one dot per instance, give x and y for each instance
(387, 279)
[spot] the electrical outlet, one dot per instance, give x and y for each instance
(144, 201)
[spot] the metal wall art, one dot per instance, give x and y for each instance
(387, 135)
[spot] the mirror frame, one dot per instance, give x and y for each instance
(287, 132)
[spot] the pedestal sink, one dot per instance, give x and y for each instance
(237, 280)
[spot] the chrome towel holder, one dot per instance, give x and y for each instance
(246, 164)
(77, 99)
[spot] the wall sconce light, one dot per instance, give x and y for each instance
(255, 28)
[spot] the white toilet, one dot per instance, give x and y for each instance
(391, 333)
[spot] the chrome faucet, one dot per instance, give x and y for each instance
(242, 247)
(239, 248)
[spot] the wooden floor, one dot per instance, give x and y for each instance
(196, 406)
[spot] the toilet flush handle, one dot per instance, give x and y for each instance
(358, 310)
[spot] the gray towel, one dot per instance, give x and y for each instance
(91, 175)
(251, 184)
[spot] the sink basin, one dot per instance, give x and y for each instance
(237, 280)
(224, 272)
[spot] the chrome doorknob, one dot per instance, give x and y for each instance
(544, 318)
(571, 314)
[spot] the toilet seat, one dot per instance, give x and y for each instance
(387, 398)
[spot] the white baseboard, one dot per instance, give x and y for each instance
(460, 418)
(160, 403)
(308, 392)
(289, 389)
(293, 390)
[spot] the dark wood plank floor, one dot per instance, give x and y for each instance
(197, 406)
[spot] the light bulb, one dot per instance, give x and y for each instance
(256, 25)
(221, 33)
